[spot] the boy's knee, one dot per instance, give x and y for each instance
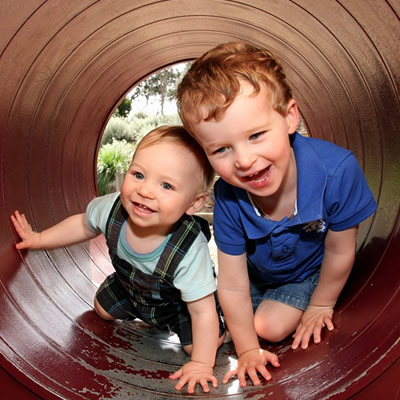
(101, 312)
(272, 332)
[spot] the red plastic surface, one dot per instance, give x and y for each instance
(64, 66)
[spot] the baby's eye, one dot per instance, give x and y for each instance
(138, 175)
(166, 186)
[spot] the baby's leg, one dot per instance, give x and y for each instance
(274, 321)
(111, 301)
(101, 312)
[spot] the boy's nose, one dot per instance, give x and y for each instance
(244, 160)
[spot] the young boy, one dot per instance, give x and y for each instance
(287, 208)
(156, 247)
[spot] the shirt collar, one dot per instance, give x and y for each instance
(311, 182)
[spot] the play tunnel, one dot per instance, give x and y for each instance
(64, 67)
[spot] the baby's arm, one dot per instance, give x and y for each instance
(336, 266)
(205, 332)
(234, 296)
(71, 230)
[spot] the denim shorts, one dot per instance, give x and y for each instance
(297, 295)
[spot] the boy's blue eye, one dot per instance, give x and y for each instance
(221, 150)
(255, 136)
(138, 175)
(166, 186)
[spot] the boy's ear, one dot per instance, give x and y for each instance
(292, 116)
(198, 203)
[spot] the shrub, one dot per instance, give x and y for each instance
(119, 142)
(113, 158)
(143, 123)
(118, 129)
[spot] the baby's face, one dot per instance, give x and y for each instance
(249, 147)
(161, 184)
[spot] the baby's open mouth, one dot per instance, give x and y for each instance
(142, 208)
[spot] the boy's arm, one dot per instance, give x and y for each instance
(336, 266)
(234, 296)
(69, 231)
(205, 333)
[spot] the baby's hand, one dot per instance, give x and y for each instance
(252, 362)
(314, 319)
(30, 239)
(194, 372)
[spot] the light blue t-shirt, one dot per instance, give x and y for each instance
(194, 276)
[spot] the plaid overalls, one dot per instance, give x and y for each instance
(130, 293)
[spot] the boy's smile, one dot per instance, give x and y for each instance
(249, 146)
(259, 179)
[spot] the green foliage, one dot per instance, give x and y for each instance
(124, 108)
(122, 135)
(118, 129)
(143, 123)
(113, 158)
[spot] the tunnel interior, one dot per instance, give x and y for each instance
(65, 66)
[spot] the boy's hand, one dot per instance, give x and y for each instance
(313, 320)
(252, 363)
(30, 239)
(195, 372)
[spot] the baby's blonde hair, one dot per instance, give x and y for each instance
(180, 136)
(213, 81)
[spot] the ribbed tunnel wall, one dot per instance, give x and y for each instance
(64, 66)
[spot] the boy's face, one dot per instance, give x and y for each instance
(249, 147)
(162, 183)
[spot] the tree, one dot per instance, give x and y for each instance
(124, 108)
(162, 84)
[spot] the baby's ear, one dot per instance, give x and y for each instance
(198, 203)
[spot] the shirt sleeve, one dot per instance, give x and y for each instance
(98, 210)
(228, 229)
(351, 199)
(195, 275)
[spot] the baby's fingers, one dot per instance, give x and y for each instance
(229, 375)
(204, 383)
(242, 375)
(21, 224)
(176, 375)
(254, 377)
(182, 382)
(273, 359)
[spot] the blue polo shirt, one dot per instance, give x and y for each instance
(332, 193)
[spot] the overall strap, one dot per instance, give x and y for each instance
(185, 232)
(116, 218)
